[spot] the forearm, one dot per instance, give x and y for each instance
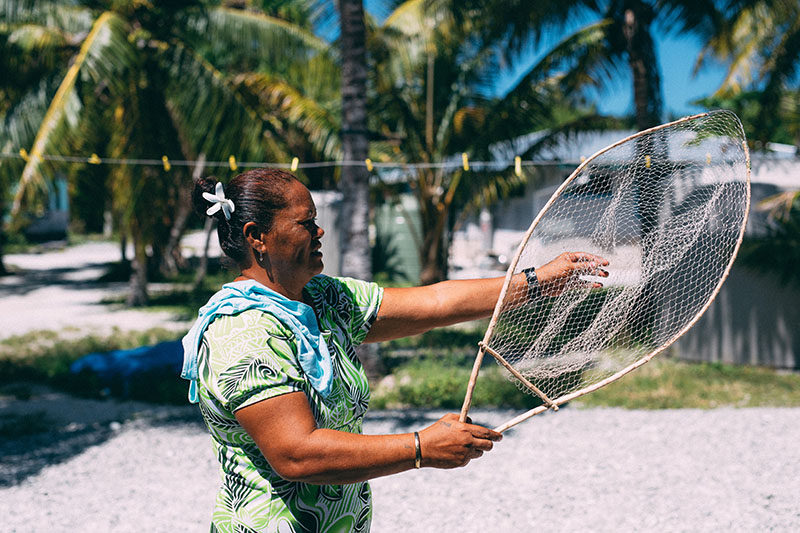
(335, 457)
(412, 311)
(286, 433)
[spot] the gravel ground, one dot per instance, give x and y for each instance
(576, 470)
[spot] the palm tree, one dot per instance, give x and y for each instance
(618, 37)
(431, 102)
(160, 80)
(760, 42)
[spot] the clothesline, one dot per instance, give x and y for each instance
(295, 164)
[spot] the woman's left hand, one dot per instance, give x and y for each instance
(565, 270)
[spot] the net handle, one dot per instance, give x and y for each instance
(512, 267)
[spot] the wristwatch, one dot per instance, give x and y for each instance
(534, 291)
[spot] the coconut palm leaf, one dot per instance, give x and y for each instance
(206, 107)
(740, 41)
(252, 40)
(70, 18)
(103, 57)
(31, 43)
(782, 64)
(515, 23)
(21, 122)
(278, 100)
(582, 59)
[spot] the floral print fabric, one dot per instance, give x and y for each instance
(250, 357)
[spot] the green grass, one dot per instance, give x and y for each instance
(429, 371)
(661, 384)
(666, 383)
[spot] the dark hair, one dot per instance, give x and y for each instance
(256, 194)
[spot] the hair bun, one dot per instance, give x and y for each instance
(200, 204)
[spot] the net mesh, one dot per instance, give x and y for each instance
(666, 209)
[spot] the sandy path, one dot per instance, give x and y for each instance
(58, 290)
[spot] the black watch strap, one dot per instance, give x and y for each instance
(534, 291)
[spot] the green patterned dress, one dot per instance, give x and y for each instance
(250, 357)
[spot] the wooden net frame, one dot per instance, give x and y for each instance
(645, 151)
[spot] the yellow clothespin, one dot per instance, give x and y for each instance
(295, 162)
(583, 158)
(165, 162)
(24, 154)
(368, 162)
(647, 161)
(708, 158)
(232, 163)
(518, 166)
(94, 160)
(465, 160)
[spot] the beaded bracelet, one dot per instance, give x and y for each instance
(417, 451)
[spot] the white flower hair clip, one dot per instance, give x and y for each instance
(219, 201)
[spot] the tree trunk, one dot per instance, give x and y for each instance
(3, 269)
(354, 180)
(643, 62)
(202, 268)
(172, 259)
(137, 292)
(123, 247)
(433, 254)
(640, 47)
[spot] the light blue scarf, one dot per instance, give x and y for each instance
(238, 296)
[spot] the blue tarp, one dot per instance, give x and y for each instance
(125, 363)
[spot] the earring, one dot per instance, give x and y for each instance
(260, 256)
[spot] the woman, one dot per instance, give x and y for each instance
(272, 363)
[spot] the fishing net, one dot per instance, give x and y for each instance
(667, 208)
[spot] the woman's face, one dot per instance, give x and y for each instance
(293, 243)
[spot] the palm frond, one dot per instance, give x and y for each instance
(582, 59)
(103, 57)
(284, 102)
(21, 122)
(18, 129)
(702, 17)
(739, 44)
(208, 110)
(259, 41)
(783, 63)
(68, 17)
(27, 53)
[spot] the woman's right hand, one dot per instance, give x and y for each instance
(449, 443)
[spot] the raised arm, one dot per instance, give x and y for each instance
(284, 429)
(415, 310)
